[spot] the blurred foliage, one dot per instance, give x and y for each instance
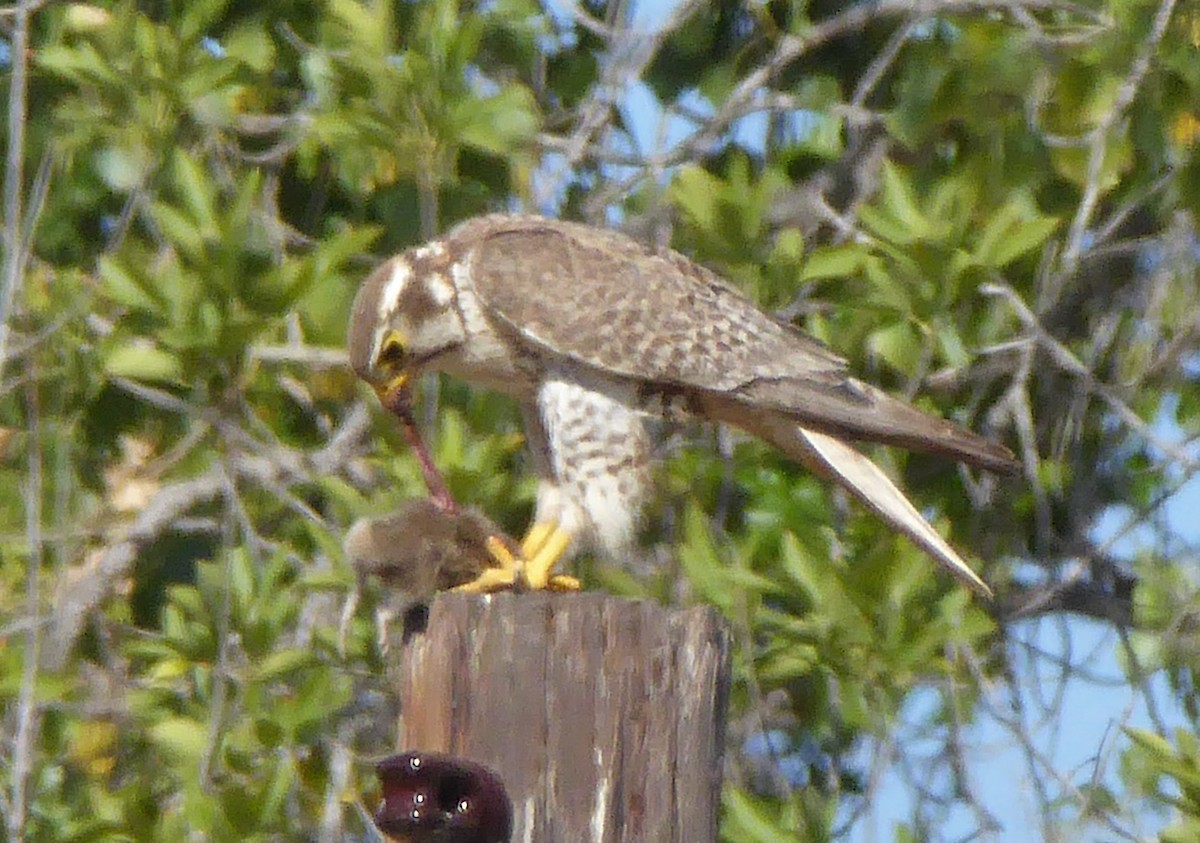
(209, 180)
(1169, 775)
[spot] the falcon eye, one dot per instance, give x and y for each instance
(392, 352)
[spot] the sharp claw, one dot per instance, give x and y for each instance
(535, 538)
(531, 570)
(502, 578)
(550, 550)
(562, 582)
(491, 580)
(500, 551)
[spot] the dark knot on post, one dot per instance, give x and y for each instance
(433, 798)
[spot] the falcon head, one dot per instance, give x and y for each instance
(404, 318)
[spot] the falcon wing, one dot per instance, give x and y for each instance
(602, 299)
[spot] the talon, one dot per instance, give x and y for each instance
(551, 545)
(563, 583)
(532, 570)
(491, 580)
(502, 553)
(535, 538)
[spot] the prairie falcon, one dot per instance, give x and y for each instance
(593, 332)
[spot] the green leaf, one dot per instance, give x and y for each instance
(1011, 232)
(370, 26)
(127, 289)
(888, 288)
(181, 737)
(179, 229)
(251, 45)
(951, 344)
(280, 786)
(84, 17)
(326, 579)
(1153, 743)
(822, 135)
(198, 16)
(81, 65)
(749, 821)
(123, 169)
(695, 191)
(832, 262)
(1186, 832)
(143, 362)
(899, 345)
(283, 662)
(196, 189)
(899, 199)
(822, 582)
(1074, 162)
(704, 567)
(499, 124)
(798, 661)
(788, 247)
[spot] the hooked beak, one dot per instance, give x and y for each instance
(394, 364)
(394, 393)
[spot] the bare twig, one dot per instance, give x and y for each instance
(14, 171)
(880, 65)
(28, 7)
(1099, 137)
(275, 468)
(1062, 357)
(341, 770)
(83, 593)
(311, 357)
(27, 706)
(581, 17)
(750, 95)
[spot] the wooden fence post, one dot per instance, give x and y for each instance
(603, 716)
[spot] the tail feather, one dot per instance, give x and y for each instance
(852, 470)
(878, 417)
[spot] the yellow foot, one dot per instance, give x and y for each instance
(537, 536)
(543, 546)
(501, 578)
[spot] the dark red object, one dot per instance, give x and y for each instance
(399, 404)
(433, 798)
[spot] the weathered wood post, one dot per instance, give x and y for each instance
(604, 717)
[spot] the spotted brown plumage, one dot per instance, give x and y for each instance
(593, 333)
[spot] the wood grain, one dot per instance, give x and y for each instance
(604, 717)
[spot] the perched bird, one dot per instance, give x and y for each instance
(593, 332)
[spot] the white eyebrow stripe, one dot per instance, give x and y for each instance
(375, 346)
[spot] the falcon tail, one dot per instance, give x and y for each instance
(875, 416)
(829, 457)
